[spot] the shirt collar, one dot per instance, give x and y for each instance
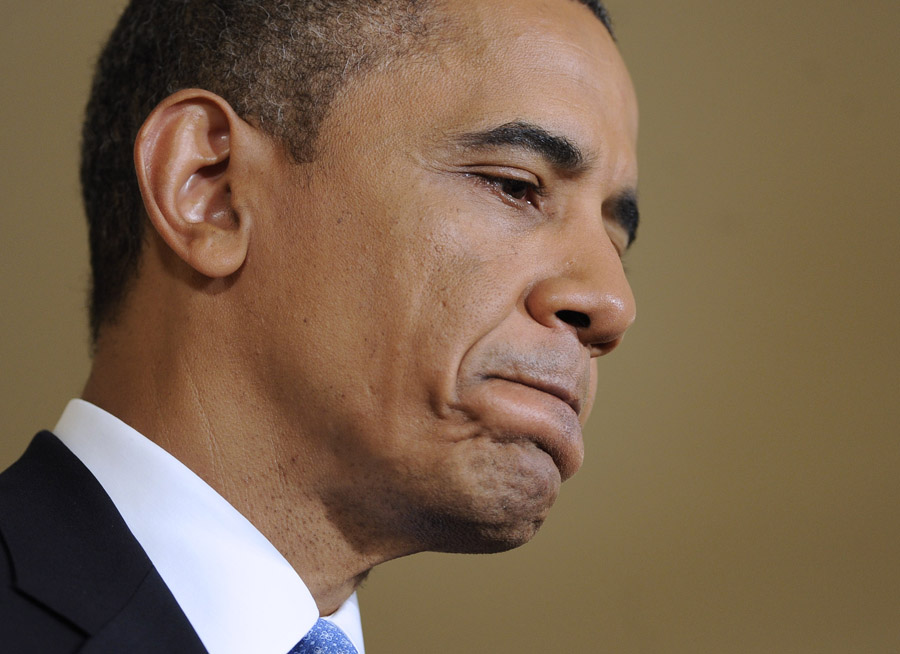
(238, 592)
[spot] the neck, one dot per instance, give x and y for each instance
(211, 420)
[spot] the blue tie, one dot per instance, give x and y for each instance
(324, 638)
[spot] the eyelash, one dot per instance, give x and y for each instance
(530, 193)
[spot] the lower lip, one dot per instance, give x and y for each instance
(519, 411)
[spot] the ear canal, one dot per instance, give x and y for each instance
(199, 205)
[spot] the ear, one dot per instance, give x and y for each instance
(183, 159)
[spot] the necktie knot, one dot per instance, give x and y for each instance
(324, 638)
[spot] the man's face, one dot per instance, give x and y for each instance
(432, 290)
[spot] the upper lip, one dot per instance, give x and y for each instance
(555, 387)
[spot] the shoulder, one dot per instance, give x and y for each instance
(72, 574)
(26, 623)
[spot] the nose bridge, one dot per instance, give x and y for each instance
(587, 291)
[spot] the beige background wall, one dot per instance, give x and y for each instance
(742, 487)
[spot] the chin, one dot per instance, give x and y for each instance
(503, 510)
(460, 536)
(490, 539)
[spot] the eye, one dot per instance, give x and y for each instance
(511, 189)
(514, 188)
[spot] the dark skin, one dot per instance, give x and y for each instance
(392, 348)
(563, 154)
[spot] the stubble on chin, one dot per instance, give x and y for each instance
(493, 499)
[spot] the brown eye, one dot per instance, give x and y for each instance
(511, 190)
(515, 188)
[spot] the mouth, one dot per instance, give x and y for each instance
(538, 410)
(548, 386)
(534, 414)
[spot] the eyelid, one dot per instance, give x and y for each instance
(496, 176)
(506, 172)
(531, 197)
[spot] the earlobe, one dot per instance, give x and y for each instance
(183, 159)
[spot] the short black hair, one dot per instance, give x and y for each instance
(278, 63)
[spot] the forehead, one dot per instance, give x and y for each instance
(554, 56)
(550, 63)
(560, 37)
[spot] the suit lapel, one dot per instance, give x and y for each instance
(147, 625)
(72, 552)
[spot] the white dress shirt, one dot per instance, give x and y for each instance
(238, 592)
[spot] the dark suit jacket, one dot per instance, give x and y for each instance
(72, 576)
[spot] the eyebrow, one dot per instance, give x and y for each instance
(563, 154)
(558, 150)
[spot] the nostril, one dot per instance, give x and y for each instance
(577, 319)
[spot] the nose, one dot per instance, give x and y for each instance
(588, 294)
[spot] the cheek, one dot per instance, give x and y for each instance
(460, 294)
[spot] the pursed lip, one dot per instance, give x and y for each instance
(550, 386)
